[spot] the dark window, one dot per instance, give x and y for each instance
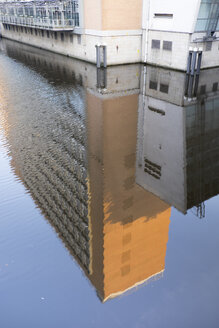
(155, 44)
(35, 32)
(42, 32)
(202, 89)
(153, 85)
(13, 27)
(156, 110)
(164, 88)
(208, 46)
(215, 86)
(16, 28)
(22, 29)
(47, 32)
(56, 37)
(79, 39)
(25, 29)
(71, 38)
(152, 169)
(167, 45)
(163, 15)
(62, 36)
(31, 31)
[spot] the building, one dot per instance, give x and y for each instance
(109, 33)
(178, 138)
(79, 166)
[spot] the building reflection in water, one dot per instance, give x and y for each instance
(178, 139)
(78, 162)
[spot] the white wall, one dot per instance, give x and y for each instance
(164, 144)
(184, 15)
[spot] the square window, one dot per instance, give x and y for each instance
(167, 45)
(155, 44)
(153, 85)
(164, 88)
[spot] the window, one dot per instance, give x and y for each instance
(215, 87)
(62, 37)
(31, 31)
(35, 32)
(159, 15)
(79, 39)
(156, 110)
(47, 32)
(42, 32)
(71, 38)
(202, 89)
(56, 36)
(208, 17)
(153, 85)
(167, 45)
(164, 88)
(25, 29)
(155, 44)
(152, 169)
(208, 46)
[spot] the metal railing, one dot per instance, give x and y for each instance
(43, 23)
(50, 14)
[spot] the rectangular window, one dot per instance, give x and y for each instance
(25, 29)
(153, 85)
(56, 36)
(42, 32)
(79, 39)
(62, 36)
(202, 89)
(164, 88)
(152, 169)
(155, 44)
(160, 15)
(215, 87)
(156, 110)
(35, 32)
(208, 46)
(208, 17)
(47, 32)
(31, 31)
(71, 38)
(167, 45)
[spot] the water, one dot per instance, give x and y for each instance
(108, 199)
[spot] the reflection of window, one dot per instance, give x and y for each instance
(156, 110)
(164, 88)
(153, 169)
(215, 86)
(153, 85)
(202, 89)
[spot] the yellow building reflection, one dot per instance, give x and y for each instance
(78, 162)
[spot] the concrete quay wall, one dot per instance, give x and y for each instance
(121, 49)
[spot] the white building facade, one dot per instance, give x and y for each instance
(156, 32)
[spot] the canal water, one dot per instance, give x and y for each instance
(109, 184)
